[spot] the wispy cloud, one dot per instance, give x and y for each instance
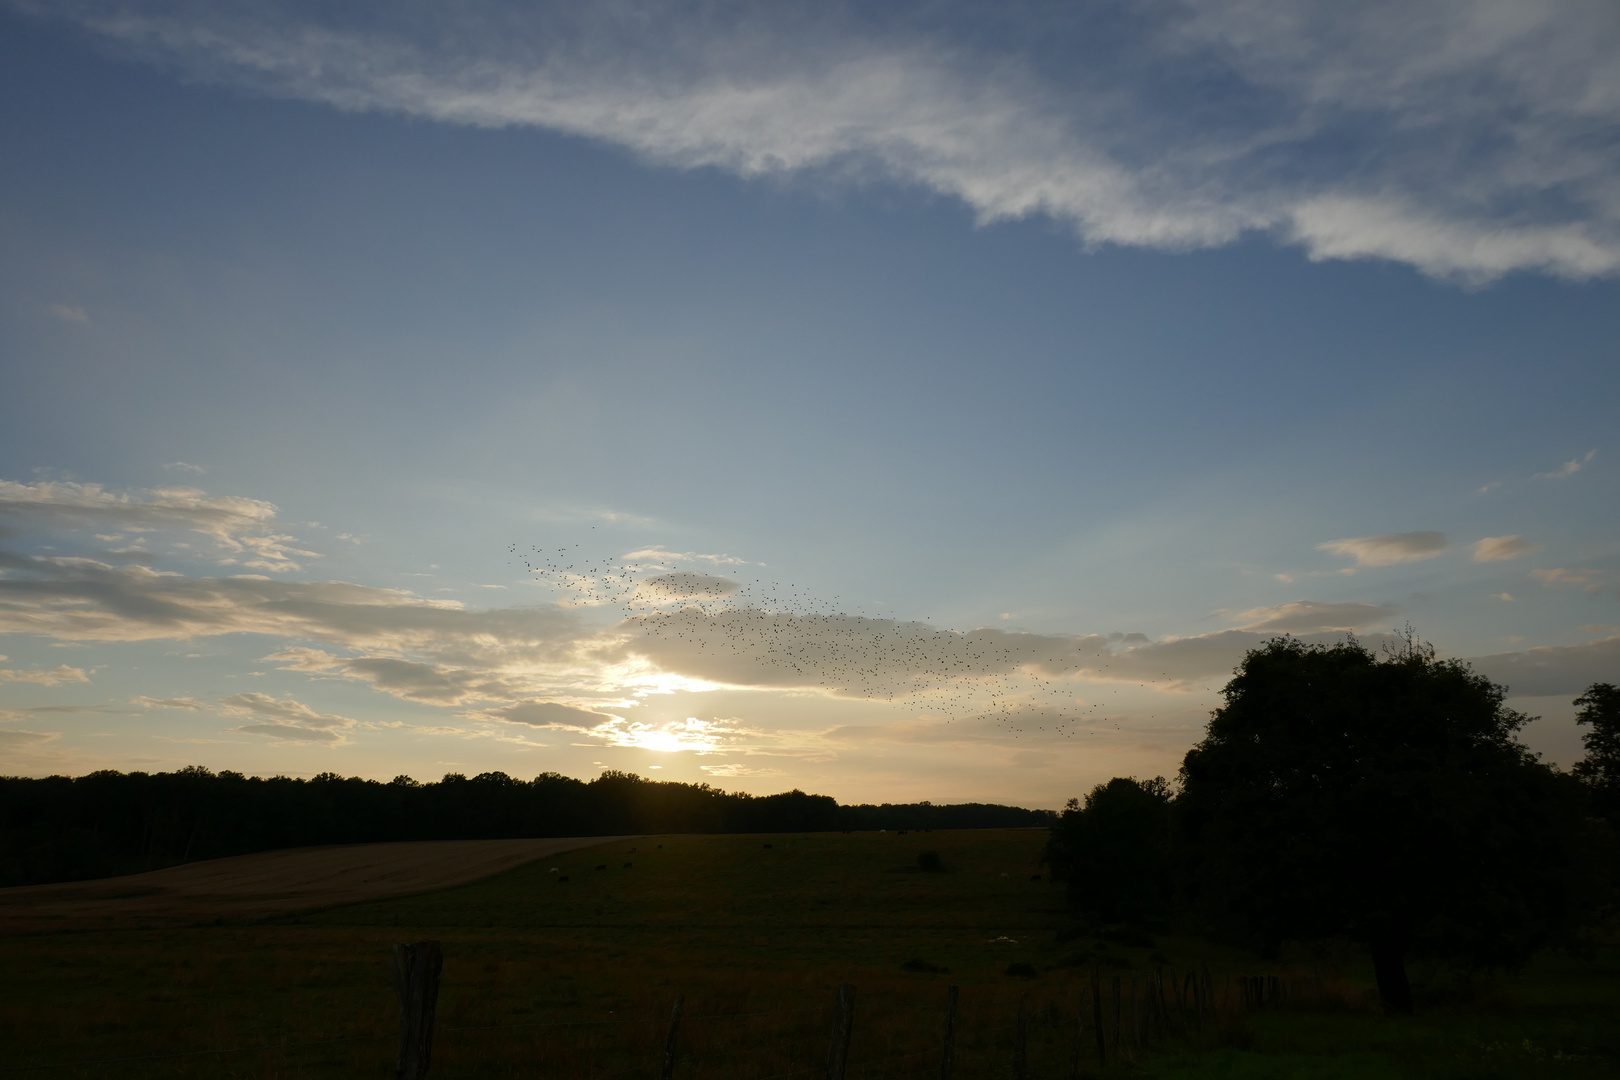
(54, 677)
(1312, 617)
(1466, 139)
(70, 313)
(284, 718)
(1568, 468)
(242, 529)
(183, 466)
(1388, 549)
(1502, 548)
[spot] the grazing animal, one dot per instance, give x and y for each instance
(603, 866)
(562, 879)
(554, 870)
(1034, 877)
(767, 845)
(627, 866)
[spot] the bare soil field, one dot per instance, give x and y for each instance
(249, 887)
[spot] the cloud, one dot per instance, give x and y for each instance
(546, 714)
(1595, 580)
(17, 739)
(734, 770)
(70, 313)
(658, 554)
(1389, 549)
(189, 704)
(1502, 548)
(1554, 669)
(240, 527)
(1465, 139)
(1568, 468)
(1312, 616)
(284, 718)
(685, 585)
(54, 677)
(182, 466)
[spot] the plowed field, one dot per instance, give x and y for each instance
(270, 883)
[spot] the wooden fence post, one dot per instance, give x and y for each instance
(1079, 1037)
(1116, 1015)
(950, 1034)
(669, 1044)
(1021, 1041)
(1097, 1018)
(416, 980)
(843, 1023)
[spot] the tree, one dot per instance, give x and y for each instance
(1384, 800)
(1599, 708)
(1114, 852)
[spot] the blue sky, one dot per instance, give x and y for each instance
(929, 406)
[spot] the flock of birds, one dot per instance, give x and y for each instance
(761, 632)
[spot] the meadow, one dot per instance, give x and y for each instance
(577, 978)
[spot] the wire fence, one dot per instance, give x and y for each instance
(1111, 1022)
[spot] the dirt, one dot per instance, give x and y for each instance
(250, 887)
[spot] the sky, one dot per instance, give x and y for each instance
(912, 401)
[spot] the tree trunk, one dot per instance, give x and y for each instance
(1389, 965)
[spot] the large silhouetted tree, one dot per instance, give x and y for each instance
(1387, 800)
(1114, 851)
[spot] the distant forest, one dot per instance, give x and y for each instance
(62, 828)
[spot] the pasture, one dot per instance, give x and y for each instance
(576, 978)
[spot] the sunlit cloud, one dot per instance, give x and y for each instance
(284, 718)
(39, 677)
(1388, 549)
(241, 528)
(1502, 548)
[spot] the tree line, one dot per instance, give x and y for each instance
(1384, 800)
(62, 828)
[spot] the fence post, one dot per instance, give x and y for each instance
(1116, 1015)
(843, 1022)
(950, 1034)
(1079, 1038)
(1097, 1018)
(669, 1045)
(1021, 1043)
(416, 980)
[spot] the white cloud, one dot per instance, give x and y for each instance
(1389, 549)
(1502, 548)
(1467, 139)
(1568, 468)
(70, 313)
(54, 677)
(183, 466)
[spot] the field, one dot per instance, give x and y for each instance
(253, 887)
(577, 978)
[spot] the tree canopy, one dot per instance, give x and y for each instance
(1114, 851)
(1599, 710)
(1387, 800)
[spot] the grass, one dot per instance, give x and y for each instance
(577, 979)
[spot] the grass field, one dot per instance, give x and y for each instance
(577, 978)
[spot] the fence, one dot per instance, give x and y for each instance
(1113, 1020)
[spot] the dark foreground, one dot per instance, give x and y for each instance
(577, 978)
